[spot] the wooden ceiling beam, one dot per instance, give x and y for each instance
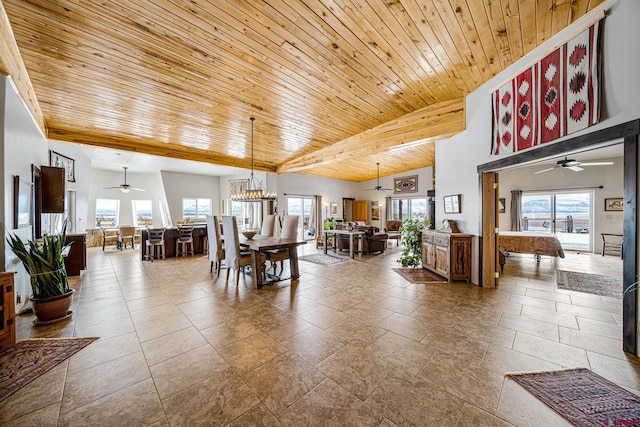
(136, 145)
(11, 64)
(437, 121)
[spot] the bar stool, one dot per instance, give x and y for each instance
(154, 242)
(184, 242)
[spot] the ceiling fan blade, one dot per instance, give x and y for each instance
(137, 189)
(597, 164)
(111, 188)
(575, 168)
(546, 170)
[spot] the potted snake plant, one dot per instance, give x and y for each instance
(44, 261)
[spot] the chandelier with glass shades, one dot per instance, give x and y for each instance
(254, 191)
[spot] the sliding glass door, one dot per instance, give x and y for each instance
(304, 208)
(568, 215)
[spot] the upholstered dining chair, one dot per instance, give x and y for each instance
(233, 257)
(216, 250)
(126, 234)
(108, 235)
(268, 225)
(289, 231)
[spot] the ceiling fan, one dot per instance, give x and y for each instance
(125, 188)
(378, 187)
(574, 165)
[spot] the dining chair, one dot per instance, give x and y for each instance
(233, 257)
(126, 233)
(154, 245)
(216, 250)
(109, 235)
(184, 242)
(289, 231)
(268, 225)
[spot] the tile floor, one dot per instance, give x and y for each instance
(349, 344)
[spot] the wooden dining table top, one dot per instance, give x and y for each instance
(263, 243)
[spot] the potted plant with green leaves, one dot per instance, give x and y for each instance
(44, 261)
(411, 235)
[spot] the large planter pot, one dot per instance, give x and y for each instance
(53, 308)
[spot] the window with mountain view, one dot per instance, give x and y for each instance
(196, 209)
(568, 215)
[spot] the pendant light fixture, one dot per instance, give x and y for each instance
(254, 191)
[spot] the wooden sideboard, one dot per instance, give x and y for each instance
(447, 254)
(7, 310)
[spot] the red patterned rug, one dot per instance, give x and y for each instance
(419, 275)
(583, 397)
(27, 360)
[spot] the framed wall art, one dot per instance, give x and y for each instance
(452, 203)
(238, 186)
(22, 196)
(333, 209)
(613, 204)
(59, 161)
(405, 184)
(375, 211)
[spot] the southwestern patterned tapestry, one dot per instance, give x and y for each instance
(558, 95)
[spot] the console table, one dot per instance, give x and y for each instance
(7, 310)
(447, 254)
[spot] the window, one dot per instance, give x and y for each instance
(107, 212)
(165, 216)
(196, 208)
(142, 213)
(567, 214)
(249, 214)
(402, 209)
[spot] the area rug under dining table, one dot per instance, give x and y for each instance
(583, 397)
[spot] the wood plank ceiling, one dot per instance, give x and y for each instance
(333, 84)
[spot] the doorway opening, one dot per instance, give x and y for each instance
(304, 207)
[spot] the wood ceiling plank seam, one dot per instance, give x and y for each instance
(334, 57)
(409, 19)
(512, 22)
(378, 76)
(560, 15)
(395, 17)
(481, 23)
(493, 10)
(344, 109)
(447, 15)
(379, 45)
(346, 105)
(544, 9)
(472, 36)
(527, 11)
(322, 78)
(195, 92)
(450, 48)
(334, 17)
(13, 65)
(380, 42)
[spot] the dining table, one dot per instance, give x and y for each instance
(259, 244)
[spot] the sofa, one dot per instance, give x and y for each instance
(372, 241)
(393, 225)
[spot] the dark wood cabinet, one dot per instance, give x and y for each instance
(447, 254)
(7, 310)
(52, 184)
(76, 260)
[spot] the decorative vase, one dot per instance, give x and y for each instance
(52, 308)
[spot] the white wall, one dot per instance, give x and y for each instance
(609, 177)
(150, 182)
(456, 173)
(183, 185)
(23, 145)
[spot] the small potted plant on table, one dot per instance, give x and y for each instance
(44, 261)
